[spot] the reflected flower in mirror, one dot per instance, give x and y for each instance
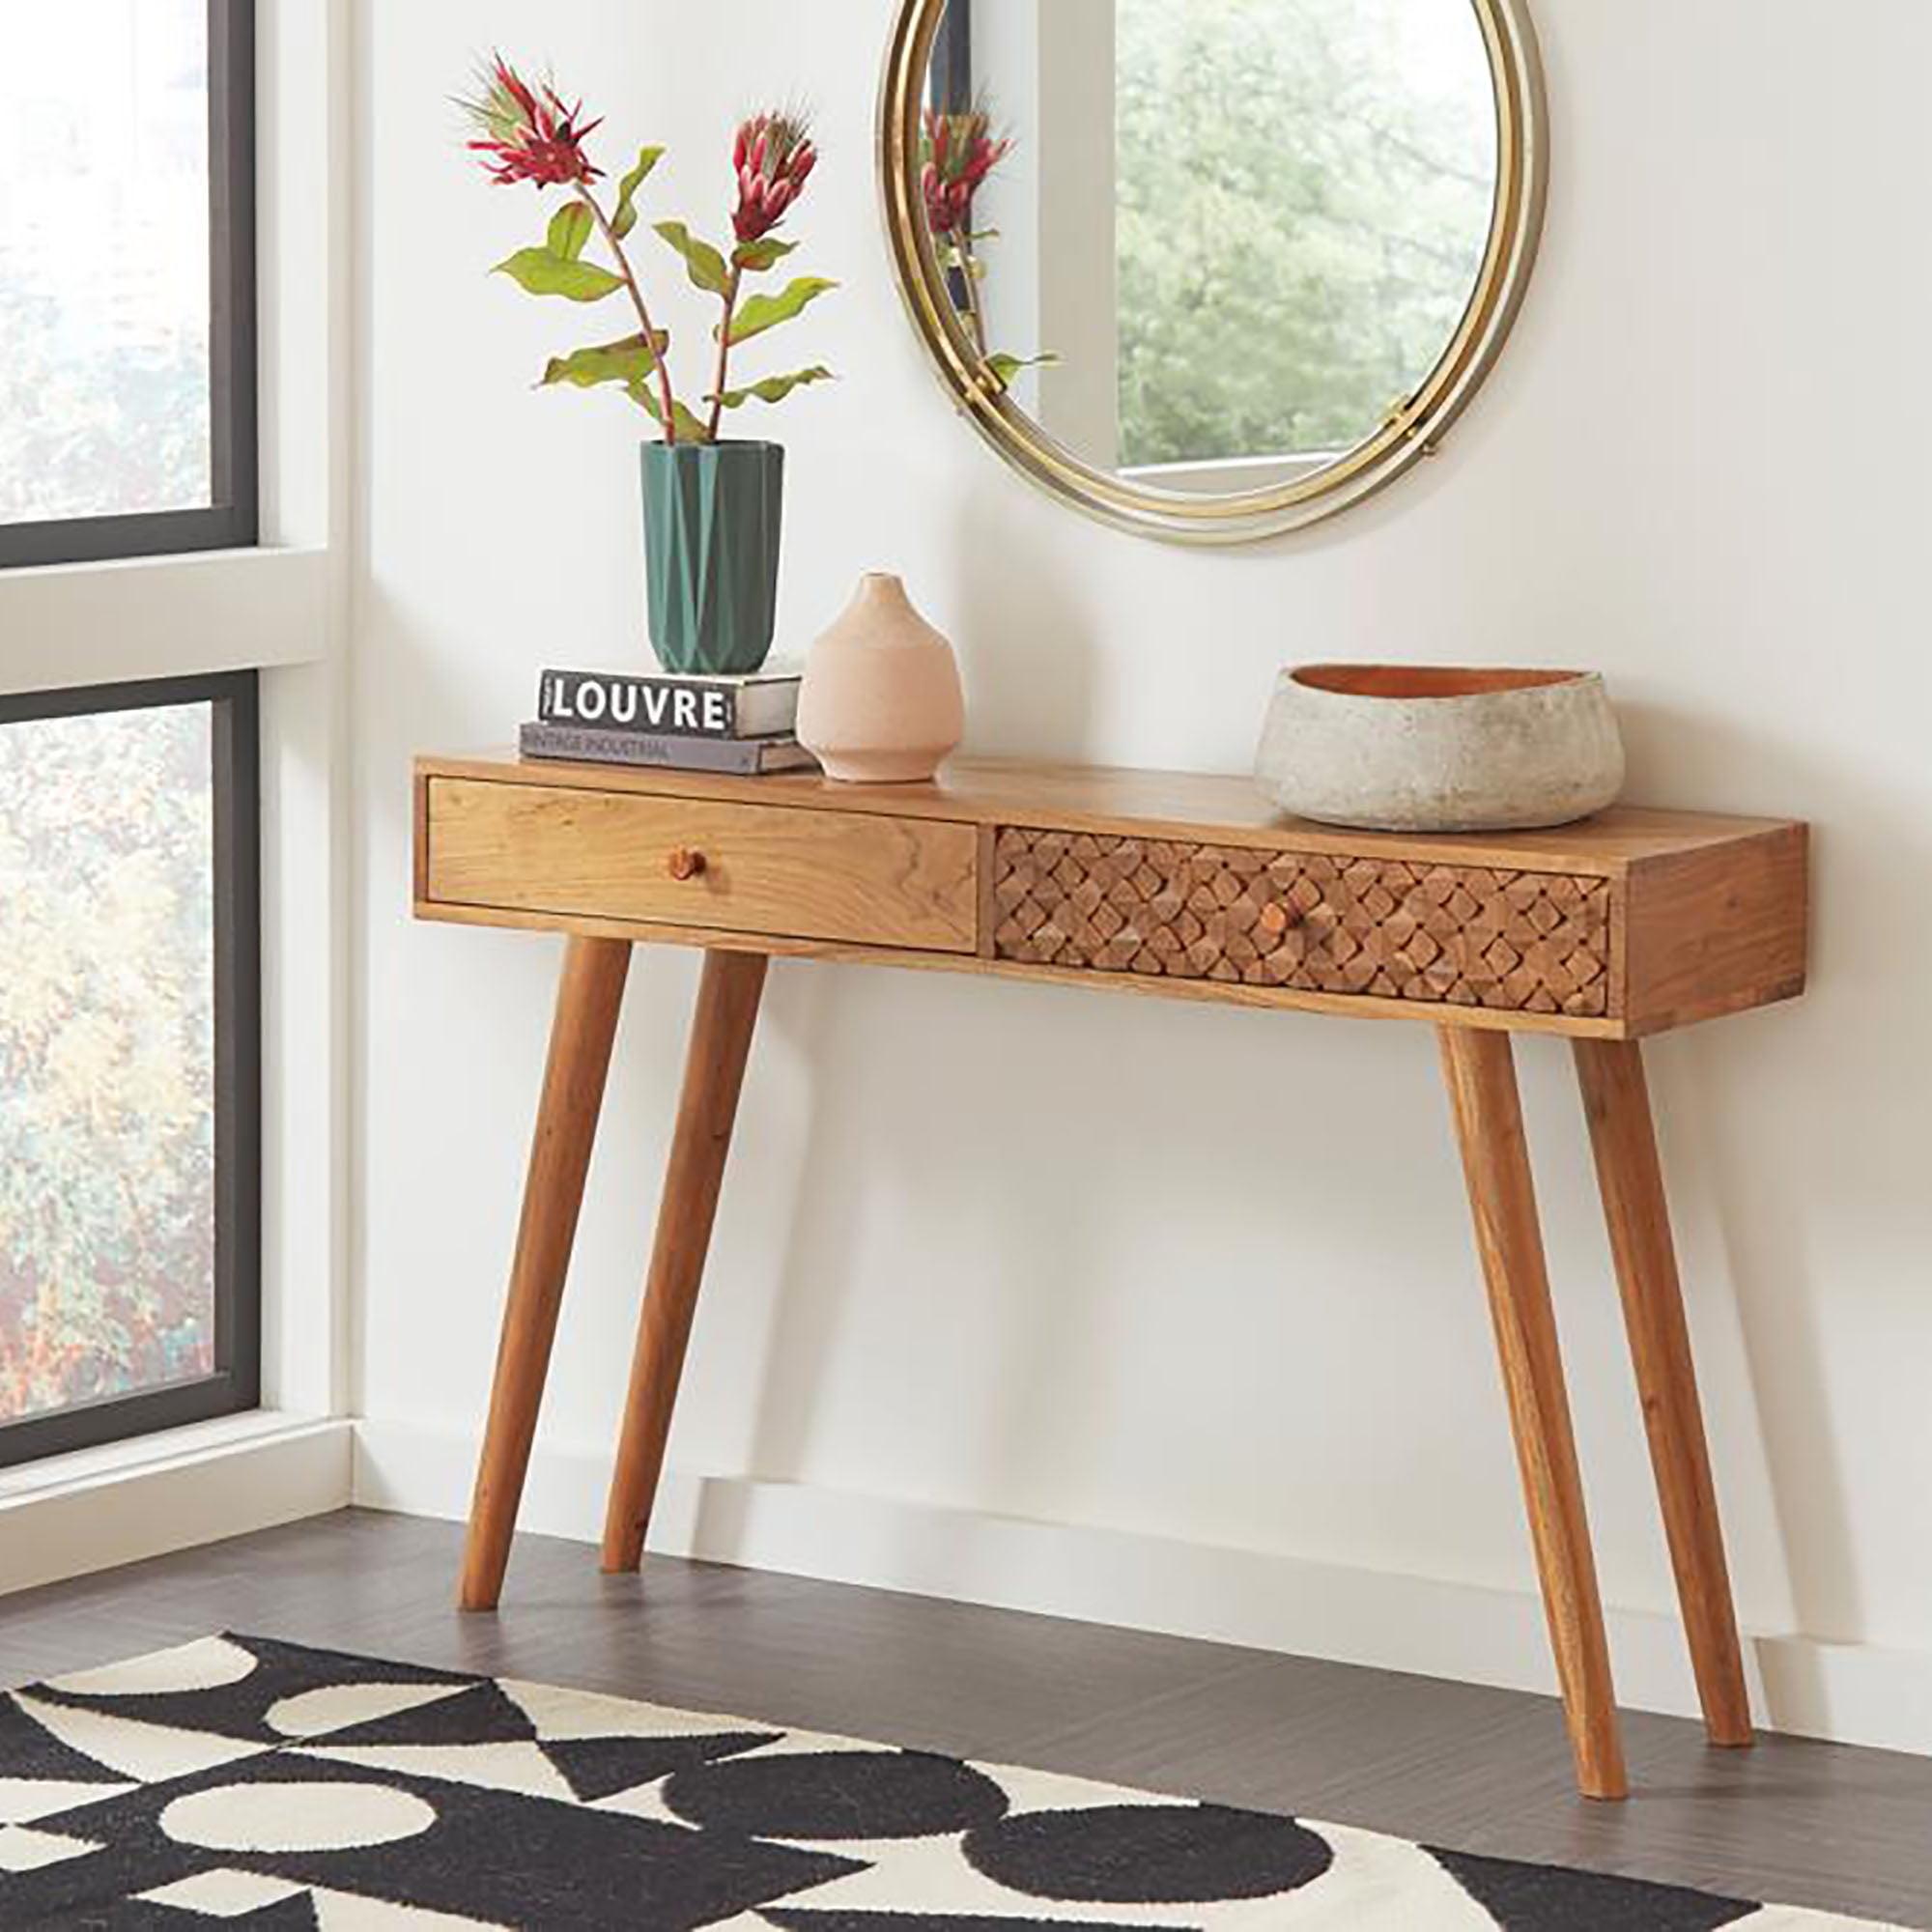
(959, 148)
(960, 152)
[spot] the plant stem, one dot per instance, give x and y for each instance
(657, 363)
(724, 349)
(975, 314)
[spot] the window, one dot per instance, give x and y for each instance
(1305, 200)
(127, 401)
(129, 1061)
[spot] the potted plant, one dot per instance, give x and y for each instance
(711, 505)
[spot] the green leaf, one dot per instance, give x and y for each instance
(689, 428)
(542, 274)
(1004, 368)
(702, 262)
(626, 218)
(775, 388)
(627, 362)
(569, 229)
(763, 312)
(767, 252)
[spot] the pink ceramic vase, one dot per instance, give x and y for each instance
(881, 703)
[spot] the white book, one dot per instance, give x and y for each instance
(764, 704)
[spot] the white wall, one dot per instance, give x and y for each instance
(1154, 1269)
(1050, 286)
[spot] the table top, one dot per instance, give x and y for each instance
(1225, 809)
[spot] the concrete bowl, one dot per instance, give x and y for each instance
(1417, 747)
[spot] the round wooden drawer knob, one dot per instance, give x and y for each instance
(1277, 919)
(685, 865)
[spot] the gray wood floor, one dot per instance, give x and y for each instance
(1480, 1771)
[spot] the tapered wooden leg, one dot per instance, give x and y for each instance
(587, 1002)
(714, 1075)
(1616, 1098)
(1481, 1073)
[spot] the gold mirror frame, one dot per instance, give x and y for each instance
(1412, 432)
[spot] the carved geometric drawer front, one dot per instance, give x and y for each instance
(1456, 935)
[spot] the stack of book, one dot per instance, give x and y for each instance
(743, 725)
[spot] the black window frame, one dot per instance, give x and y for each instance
(951, 81)
(949, 87)
(236, 1384)
(233, 520)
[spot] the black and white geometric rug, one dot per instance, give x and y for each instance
(240, 1783)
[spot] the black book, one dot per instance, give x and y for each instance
(743, 758)
(763, 705)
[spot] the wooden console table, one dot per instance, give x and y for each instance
(1605, 932)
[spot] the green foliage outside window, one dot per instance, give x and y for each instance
(93, 434)
(1300, 226)
(106, 1056)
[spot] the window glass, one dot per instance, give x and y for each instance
(1305, 192)
(105, 390)
(107, 1109)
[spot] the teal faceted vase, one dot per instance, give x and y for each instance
(713, 512)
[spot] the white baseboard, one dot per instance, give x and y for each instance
(1846, 1692)
(95, 1510)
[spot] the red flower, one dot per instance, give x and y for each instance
(526, 133)
(961, 149)
(773, 158)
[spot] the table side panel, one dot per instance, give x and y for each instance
(1718, 930)
(833, 877)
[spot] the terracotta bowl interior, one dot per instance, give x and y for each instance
(1424, 680)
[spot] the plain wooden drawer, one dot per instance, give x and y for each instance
(844, 876)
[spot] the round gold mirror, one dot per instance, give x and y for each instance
(1212, 270)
